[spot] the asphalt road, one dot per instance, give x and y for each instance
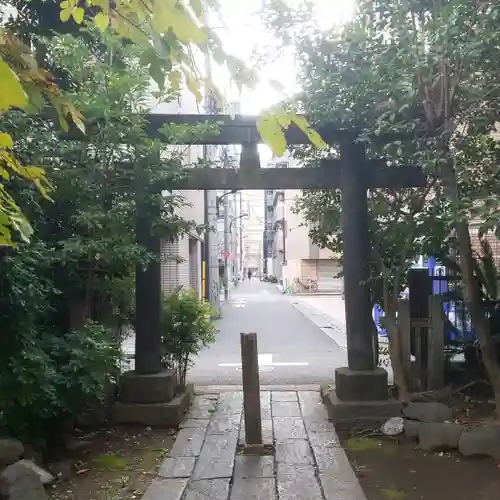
(292, 350)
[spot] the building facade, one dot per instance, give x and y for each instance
(181, 260)
(252, 231)
(290, 254)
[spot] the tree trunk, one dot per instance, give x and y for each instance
(471, 287)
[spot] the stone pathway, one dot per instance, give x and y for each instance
(206, 463)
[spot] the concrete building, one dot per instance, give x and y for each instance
(290, 254)
(253, 230)
(182, 259)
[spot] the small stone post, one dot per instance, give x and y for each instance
(251, 389)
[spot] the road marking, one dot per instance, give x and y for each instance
(264, 361)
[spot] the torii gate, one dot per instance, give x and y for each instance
(352, 174)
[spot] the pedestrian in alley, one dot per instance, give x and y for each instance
(249, 275)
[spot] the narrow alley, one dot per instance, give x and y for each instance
(292, 349)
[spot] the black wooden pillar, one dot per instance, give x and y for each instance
(148, 294)
(360, 345)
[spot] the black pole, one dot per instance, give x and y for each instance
(360, 349)
(148, 293)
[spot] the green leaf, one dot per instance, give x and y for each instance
(101, 20)
(78, 15)
(272, 134)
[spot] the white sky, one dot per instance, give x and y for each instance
(245, 31)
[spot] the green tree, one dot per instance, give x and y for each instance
(69, 290)
(426, 73)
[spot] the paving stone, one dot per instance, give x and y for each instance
(341, 487)
(267, 432)
(285, 409)
(253, 489)
(265, 412)
(312, 407)
(328, 453)
(194, 422)
(188, 442)
(177, 467)
(229, 403)
(297, 482)
(309, 396)
(294, 451)
(265, 398)
(216, 459)
(288, 427)
(207, 489)
(202, 407)
(160, 489)
(253, 466)
(284, 396)
(224, 425)
(318, 426)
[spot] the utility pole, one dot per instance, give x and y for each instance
(226, 245)
(241, 235)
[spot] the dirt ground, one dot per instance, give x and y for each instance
(392, 470)
(113, 464)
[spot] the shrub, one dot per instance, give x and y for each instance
(53, 380)
(187, 327)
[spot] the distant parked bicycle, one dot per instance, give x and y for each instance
(310, 285)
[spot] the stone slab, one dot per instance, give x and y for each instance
(224, 425)
(202, 408)
(294, 452)
(160, 489)
(168, 414)
(298, 483)
(341, 488)
(253, 489)
(188, 443)
(285, 409)
(248, 466)
(153, 388)
(357, 385)
(211, 489)
(288, 428)
(331, 458)
(194, 422)
(230, 403)
(267, 432)
(177, 467)
(216, 459)
(359, 414)
(284, 396)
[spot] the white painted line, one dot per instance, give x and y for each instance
(265, 360)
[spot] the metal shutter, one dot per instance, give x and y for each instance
(328, 270)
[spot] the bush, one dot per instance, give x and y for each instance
(187, 327)
(54, 379)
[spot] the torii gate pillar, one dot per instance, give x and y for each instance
(361, 388)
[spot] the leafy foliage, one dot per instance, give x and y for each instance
(67, 294)
(187, 327)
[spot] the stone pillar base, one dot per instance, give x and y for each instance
(135, 388)
(357, 385)
(360, 399)
(164, 414)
